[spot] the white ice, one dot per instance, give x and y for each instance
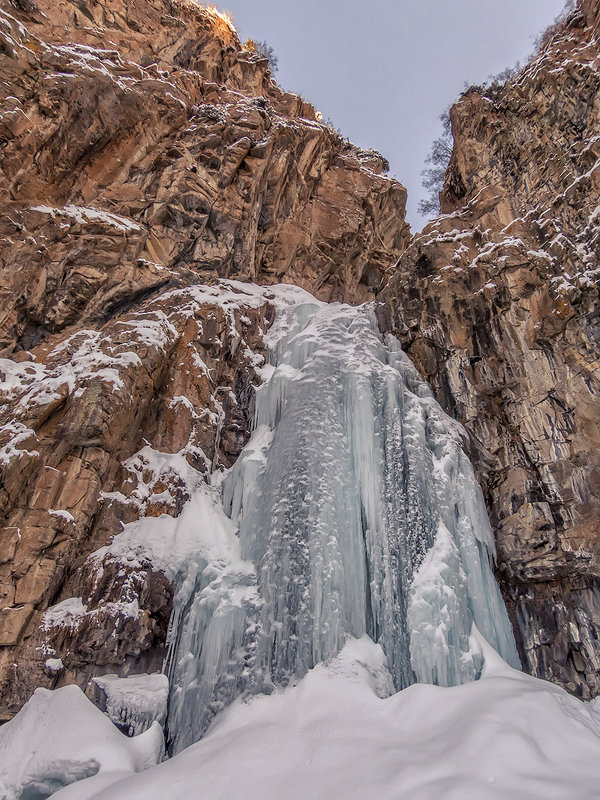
(134, 702)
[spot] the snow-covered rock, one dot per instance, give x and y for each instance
(60, 737)
(134, 702)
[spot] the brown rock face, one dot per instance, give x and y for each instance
(198, 160)
(143, 152)
(106, 427)
(145, 156)
(497, 304)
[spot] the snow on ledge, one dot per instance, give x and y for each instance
(66, 614)
(83, 215)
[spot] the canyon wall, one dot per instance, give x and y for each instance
(143, 153)
(497, 304)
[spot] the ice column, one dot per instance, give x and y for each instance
(357, 506)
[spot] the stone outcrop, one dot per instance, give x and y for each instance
(200, 162)
(497, 304)
(101, 428)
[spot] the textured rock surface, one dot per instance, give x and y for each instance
(236, 179)
(104, 428)
(497, 304)
(143, 151)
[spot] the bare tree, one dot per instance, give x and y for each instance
(437, 163)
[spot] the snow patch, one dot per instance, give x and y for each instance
(167, 544)
(66, 614)
(66, 515)
(84, 215)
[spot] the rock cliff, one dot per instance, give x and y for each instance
(145, 156)
(143, 151)
(497, 304)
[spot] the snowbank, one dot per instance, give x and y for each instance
(338, 734)
(60, 737)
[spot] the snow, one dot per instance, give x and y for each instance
(89, 356)
(60, 737)
(62, 514)
(66, 614)
(339, 733)
(169, 544)
(72, 612)
(542, 254)
(157, 332)
(149, 466)
(16, 433)
(82, 358)
(40, 384)
(84, 215)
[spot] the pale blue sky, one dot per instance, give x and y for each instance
(384, 70)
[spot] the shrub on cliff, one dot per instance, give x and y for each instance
(265, 51)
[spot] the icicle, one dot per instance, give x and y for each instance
(361, 514)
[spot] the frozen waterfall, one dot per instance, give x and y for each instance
(354, 510)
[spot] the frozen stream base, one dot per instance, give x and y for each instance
(332, 736)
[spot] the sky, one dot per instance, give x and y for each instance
(383, 71)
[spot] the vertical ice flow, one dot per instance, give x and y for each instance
(361, 513)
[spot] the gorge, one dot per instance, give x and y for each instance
(249, 425)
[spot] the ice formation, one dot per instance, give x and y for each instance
(357, 513)
(135, 702)
(346, 556)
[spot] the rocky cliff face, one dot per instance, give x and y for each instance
(497, 304)
(145, 156)
(143, 152)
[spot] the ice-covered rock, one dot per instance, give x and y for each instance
(361, 514)
(135, 702)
